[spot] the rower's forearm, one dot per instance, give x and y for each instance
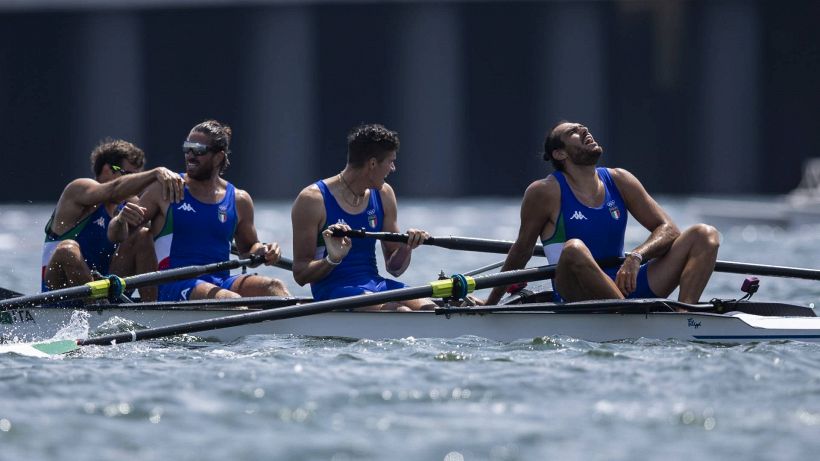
(659, 242)
(118, 230)
(517, 258)
(313, 271)
(131, 185)
(399, 260)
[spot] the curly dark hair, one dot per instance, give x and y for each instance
(370, 141)
(553, 141)
(113, 152)
(220, 134)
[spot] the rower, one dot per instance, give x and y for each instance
(76, 243)
(358, 197)
(579, 212)
(200, 228)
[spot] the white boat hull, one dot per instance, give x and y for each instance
(33, 324)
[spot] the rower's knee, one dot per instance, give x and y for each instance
(575, 254)
(143, 241)
(276, 287)
(67, 249)
(706, 236)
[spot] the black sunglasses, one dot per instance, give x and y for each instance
(195, 148)
(120, 170)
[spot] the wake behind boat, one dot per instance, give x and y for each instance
(608, 320)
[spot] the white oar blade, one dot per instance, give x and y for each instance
(43, 349)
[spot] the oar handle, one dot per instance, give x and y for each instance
(452, 243)
(283, 263)
(386, 236)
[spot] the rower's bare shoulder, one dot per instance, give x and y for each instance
(622, 177)
(544, 188)
(310, 194)
(78, 187)
(309, 202)
(387, 192)
(242, 195)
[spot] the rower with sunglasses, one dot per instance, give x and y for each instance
(76, 240)
(200, 228)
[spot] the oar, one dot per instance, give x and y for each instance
(458, 286)
(283, 263)
(486, 268)
(503, 246)
(249, 301)
(452, 243)
(766, 270)
(5, 293)
(100, 288)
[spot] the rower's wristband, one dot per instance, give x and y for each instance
(330, 261)
(636, 255)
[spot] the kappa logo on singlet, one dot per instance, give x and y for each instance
(100, 222)
(186, 207)
(577, 215)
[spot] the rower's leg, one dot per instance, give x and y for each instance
(134, 256)
(423, 304)
(258, 285)
(67, 268)
(206, 290)
(578, 277)
(688, 263)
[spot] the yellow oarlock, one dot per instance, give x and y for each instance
(99, 288)
(444, 288)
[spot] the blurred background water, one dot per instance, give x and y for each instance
(285, 397)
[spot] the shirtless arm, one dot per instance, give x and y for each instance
(397, 255)
(152, 207)
(538, 209)
(307, 218)
(646, 211)
(247, 240)
(87, 192)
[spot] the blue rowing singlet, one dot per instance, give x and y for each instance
(197, 233)
(601, 229)
(360, 262)
(91, 234)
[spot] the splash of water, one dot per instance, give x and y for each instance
(76, 328)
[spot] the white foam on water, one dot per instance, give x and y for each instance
(76, 328)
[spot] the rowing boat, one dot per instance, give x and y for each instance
(609, 320)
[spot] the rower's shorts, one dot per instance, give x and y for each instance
(642, 289)
(369, 286)
(179, 291)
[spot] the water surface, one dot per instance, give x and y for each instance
(296, 398)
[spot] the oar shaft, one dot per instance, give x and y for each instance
(250, 301)
(82, 291)
(766, 270)
(353, 302)
(483, 269)
(452, 243)
(182, 273)
(262, 316)
(99, 288)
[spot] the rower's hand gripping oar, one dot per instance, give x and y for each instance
(113, 286)
(458, 286)
(283, 263)
(452, 243)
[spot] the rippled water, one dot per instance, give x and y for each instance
(283, 397)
